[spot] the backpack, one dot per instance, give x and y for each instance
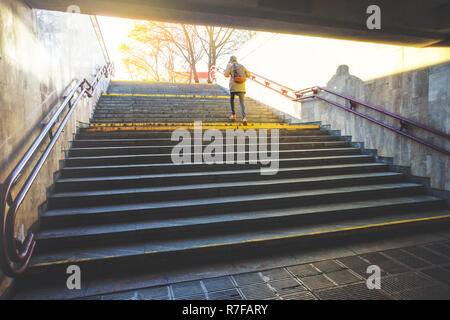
(239, 74)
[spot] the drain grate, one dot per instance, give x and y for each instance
(303, 295)
(404, 281)
(438, 274)
(359, 291)
(193, 297)
(232, 294)
(343, 277)
(374, 257)
(333, 294)
(129, 295)
(218, 284)
(304, 270)
(187, 289)
(391, 266)
(155, 293)
(440, 248)
(275, 274)
(406, 258)
(328, 266)
(258, 291)
(362, 271)
(286, 286)
(427, 255)
(317, 282)
(353, 262)
(90, 298)
(243, 279)
(429, 293)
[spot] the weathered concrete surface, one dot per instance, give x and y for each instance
(408, 22)
(41, 54)
(421, 95)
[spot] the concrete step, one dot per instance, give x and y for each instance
(176, 104)
(127, 169)
(236, 238)
(187, 115)
(224, 118)
(172, 108)
(109, 276)
(170, 91)
(259, 219)
(150, 149)
(84, 134)
(182, 97)
(179, 115)
(82, 237)
(176, 94)
(224, 189)
(85, 142)
(173, 105)
(172, 179)
(166, 158)
(201, 206)
(120, 206)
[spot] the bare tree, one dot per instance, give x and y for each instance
(218, 41)
(184, 39)
(144, 51)
(157, 45)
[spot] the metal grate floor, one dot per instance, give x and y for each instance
(418, 272)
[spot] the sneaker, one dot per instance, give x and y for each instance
(233, 117)
(244, 121)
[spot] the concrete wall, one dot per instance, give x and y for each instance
(411, 82)
(421, 95)
(300, 62)
(42, 54)
(410, 22)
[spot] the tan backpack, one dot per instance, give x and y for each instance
(239, 75)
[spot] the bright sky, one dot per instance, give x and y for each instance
(362, 57)
(115, 32)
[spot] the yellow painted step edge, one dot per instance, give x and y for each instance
(121, 124)
(165, 95)
(272, 238)
(162, 82)
(159, 127)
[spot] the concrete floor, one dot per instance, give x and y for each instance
(413, 267)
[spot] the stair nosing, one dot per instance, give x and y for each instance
(136, 165)
(219, 200)
(223, 185)
(249, 237)
(247, 215)
(212, 173)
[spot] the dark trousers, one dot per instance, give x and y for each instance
(241, 101)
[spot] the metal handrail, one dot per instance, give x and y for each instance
(404, 122)
(15, 255)
(283, 90)
(313, 92)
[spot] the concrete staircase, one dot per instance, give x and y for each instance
(122, 210)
